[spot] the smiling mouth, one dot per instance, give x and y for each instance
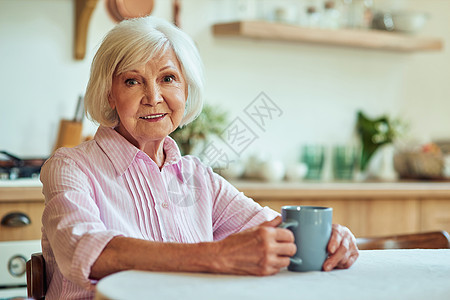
(152, 117)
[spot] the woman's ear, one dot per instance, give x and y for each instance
(111, 101)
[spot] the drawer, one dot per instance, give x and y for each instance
(32, 211)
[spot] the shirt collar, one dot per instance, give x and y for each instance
(122, 153)
(173, 155)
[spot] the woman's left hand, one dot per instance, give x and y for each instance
(342, 249)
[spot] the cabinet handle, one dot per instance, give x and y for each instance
(16, 219)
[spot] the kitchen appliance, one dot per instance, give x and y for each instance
(18, 218)
(13, 167)
(13, 258)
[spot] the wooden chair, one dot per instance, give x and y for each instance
(425, 240)
(36, 277)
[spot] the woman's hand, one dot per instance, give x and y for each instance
(342, 249)
(261, 250)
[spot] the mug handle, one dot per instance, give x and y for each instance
(287, 225)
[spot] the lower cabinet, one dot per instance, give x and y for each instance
(367, 213)
(374, 212)
(364, 217)
(27, 225)
(435, 214)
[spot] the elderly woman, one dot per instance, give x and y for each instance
(116, 202)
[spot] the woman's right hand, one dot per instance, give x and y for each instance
(261, 250)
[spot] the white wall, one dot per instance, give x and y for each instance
(318, 88)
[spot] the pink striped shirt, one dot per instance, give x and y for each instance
(107, 187)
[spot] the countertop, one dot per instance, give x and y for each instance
(286, 189)
(21, 182)
(32, 189)
(21, 190)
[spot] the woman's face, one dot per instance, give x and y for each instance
(150, 99)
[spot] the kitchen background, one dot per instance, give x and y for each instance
(318, 89)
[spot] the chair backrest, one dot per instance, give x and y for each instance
(36, 277)
(424, 240)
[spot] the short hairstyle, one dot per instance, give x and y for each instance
(134, 42)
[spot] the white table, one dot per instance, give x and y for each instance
(378, 274)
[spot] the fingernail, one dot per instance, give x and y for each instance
(333, 249)
(327, 267)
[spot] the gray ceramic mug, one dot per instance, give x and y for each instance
(311, 226)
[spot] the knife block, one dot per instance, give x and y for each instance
(69, 134)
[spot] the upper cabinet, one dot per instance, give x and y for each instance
(372, 39)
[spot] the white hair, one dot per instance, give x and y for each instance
(134, 42)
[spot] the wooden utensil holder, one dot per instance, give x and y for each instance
(69, 134)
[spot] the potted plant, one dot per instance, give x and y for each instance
(210, 122)
(373, 134)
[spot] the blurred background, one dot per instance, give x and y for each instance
(308, 102)
(317, 90)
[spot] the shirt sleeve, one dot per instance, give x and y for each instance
(232, 210)
(71, 219)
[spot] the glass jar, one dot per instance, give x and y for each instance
(331, 16)
(357, 13)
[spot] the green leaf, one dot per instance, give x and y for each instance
(211, 122)
(373, 133)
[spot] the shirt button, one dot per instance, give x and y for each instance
(165, 205)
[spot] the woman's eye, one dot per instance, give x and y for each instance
(131, 82)
(169, 78)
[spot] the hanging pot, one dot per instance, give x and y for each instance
(120, 10)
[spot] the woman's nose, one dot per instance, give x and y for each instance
(152, 95)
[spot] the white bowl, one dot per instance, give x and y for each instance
(232, 171)
(296, 172)
(410, 22)
(272, 170)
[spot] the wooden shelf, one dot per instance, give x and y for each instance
(372, 39)
(83, 12)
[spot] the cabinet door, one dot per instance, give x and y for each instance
(435, 214)
(392, 216)
(345, 212)
(32, 211)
